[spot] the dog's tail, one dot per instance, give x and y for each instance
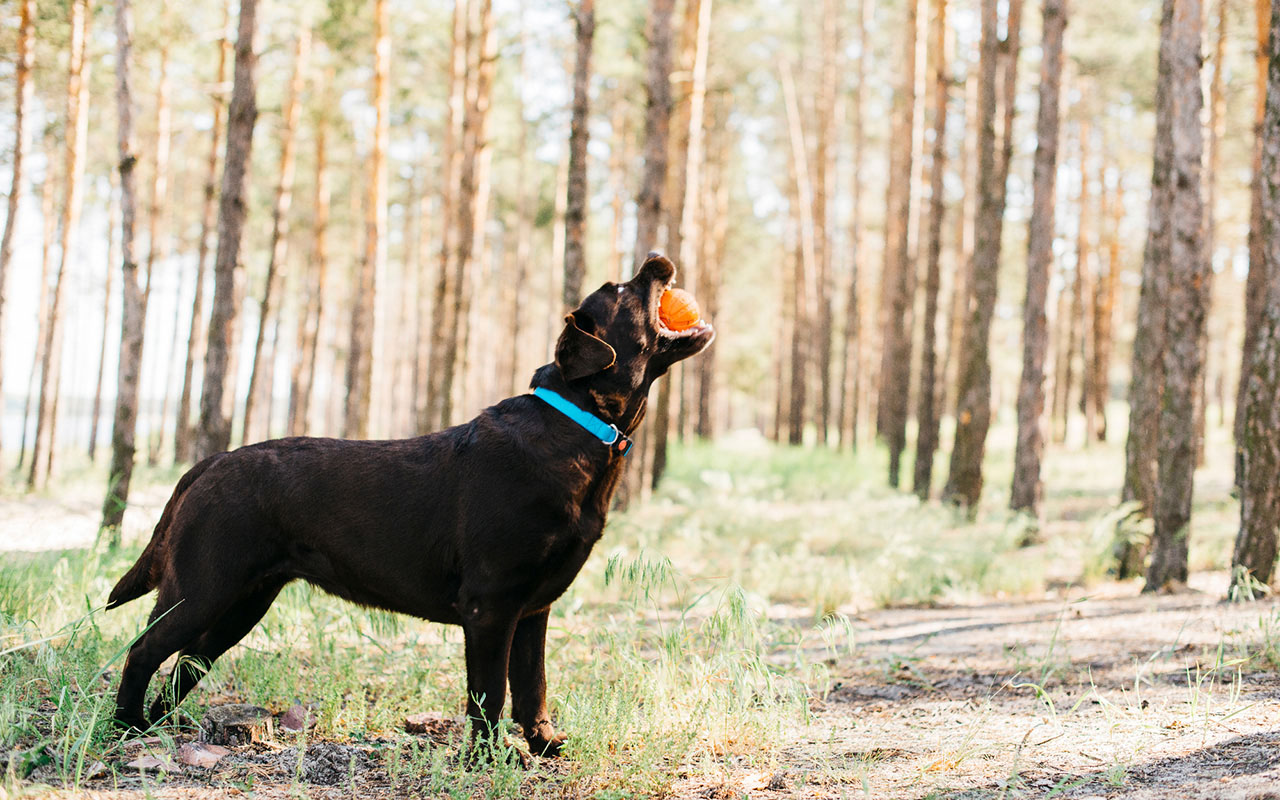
(144, 575)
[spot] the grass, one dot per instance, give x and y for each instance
(700, 632)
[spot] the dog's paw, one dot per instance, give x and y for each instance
(547, 747)
(132, 725)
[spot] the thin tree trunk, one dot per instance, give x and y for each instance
(260, 388)
(473, 196)
(824, 168)
(1185, 312)
(22, 91)
(373, 262)
(715, 231)
(1104, 304)
(684, 235)
(1257, 281)
(183, 430)
(973, 408)
(619, 160)
(1026, 491)
(927, 410)
(444, 328)
(806, 269)
(657, 130)
(575, 218)
(158, 221)
(899, 283)
(113, 255)
(48, 229)
(851, 355)
(1253, 561)
(1213, 165)
(77, 130)
(133, 308)
(963, 254)
(1079, 278)
(217, 398)
(304, 369)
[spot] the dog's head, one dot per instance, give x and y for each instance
(614, 341)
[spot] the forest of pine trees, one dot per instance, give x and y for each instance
(253, 219)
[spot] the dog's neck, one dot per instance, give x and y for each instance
(625, 413)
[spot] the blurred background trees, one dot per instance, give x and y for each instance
(368, 220)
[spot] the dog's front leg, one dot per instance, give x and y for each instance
(488, 645)
(529, 686)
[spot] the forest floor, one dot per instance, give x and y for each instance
(787, 629)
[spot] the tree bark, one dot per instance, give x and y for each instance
(575, 218)
(824, 168)
(133, 313)
(77, 130)
(1026, 491)
(1253, 561)
(1104, 303)
(217, 398)
(963, 253)
(1185, 312)
(927, 409)
(1213, 165)
(304, 367)
(373, 262)
(806, 267)
(444, 329)
(183, 430)
(973, 406)
(1079, 280)
(259, 380)
(113, 255)
(158, 222)
(22, 91)
(1258, 279)
(899, 268)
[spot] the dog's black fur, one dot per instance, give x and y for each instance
(481, 525)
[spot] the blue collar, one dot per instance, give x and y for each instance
(608, 434)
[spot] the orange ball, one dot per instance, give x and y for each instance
(678, 310)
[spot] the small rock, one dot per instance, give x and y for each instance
(236, 724)
(432, 723)
(778, 782)
(298, 718)
(150, 762)
(198, 754)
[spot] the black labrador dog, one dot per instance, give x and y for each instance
(481, 525)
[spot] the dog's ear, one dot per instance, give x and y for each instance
(579, 354)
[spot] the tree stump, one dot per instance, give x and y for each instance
(236, 724)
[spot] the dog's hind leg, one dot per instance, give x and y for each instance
(529, 685)
(174, 623)
(196, 658)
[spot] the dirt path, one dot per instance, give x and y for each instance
(1108, 694)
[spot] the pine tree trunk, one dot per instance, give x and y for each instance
(973, 407)
(927, 410)
(962, 286)
(1147, 382)
(657, 132)
(259, 389)
(806, 268)
(133, 313)
(684, 234)
(1026, 491)
(1075, 312)
(113, 256)
(158, 219)
(48, 229)
(1185, 312)
(851, 350)
(575, 218)
(183, 430)
(715, 230)
(1258, 279)
(76, 133)
(899, 279)
(824, 169)
(373, 263)
(218, 395)
(22, 91)
(1212, 166)
(444, 328)
(1104, 304)
(1255, 549)
(473, 197)
(304, 369)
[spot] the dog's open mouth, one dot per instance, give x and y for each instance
(699, 325)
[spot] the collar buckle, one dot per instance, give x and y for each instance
(621, 443)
